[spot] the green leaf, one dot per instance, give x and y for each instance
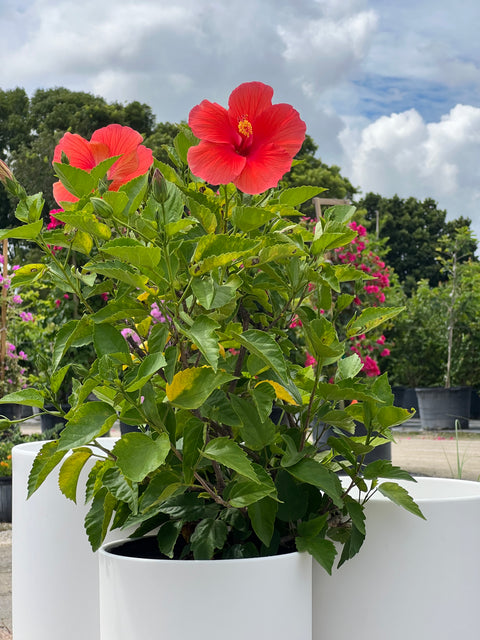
(209, 535)
(86, 222)
(400, 496)
(314, 527)
(356, 513)
(231, 455)
(328, 241)
(25, 232)
(242, 493)
(138, 454)
(135, 190)
(28, 397)
(45, 461)
(202, 334)
(312, 472)
(88, 421)
(298, 195)
(212, 295)
(385, 469)
(66, 337)
(109, 341)
(203, 214)
(117, 270)
(75, 180)
(119, 487)
(190, 388)
(167, 536)
(218, 250)
(100, 170)
(149, 367)
(98, 518)
(262, 515)
(70, 472)
(352, 545)
(348, 367)
(264, 347)
(250, 218)
(256, 433)
(133, 252)
(29, 209)
(322, 550)
(370, 319)
(194, 433)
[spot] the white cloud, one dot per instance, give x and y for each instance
(403, 154)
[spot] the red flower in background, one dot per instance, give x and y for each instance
(114, 140)
(251, 144)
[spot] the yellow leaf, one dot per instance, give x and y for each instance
(280, 392)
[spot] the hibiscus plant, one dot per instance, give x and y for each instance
(190, 277)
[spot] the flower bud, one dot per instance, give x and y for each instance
(5, 172)
(101, 208)
(159, 187)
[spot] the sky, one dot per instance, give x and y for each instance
(389, 90)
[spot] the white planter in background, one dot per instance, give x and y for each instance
(258, 598)
(54, 571)
(412, 578)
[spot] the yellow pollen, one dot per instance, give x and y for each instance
(244, 127)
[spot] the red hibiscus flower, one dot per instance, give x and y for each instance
(252, 144)
(107, 142)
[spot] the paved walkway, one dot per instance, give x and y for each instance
(423, 452)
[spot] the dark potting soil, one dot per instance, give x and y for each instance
(146, 547)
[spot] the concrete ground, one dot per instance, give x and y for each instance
(420, 452)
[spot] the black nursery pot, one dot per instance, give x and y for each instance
(382, 452)
(441, 407)
(11, 411)
(5, 498)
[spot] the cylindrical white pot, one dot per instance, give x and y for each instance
(412, 578)
(257, 598)
(54, 571)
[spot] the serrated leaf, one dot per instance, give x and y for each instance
(194, 432)
(45, 461)
(250, 218)
(202, 334)
(138, 454)
(264, 347)
(262, 515)
(231, 455)
(70, 472)
(167, 536)
(86, 222)
(190, 388)
(89, 421)
(385, 469)
(98, 518)
(212, 295)
(119, 487)
(66, 337)
(24, 232)
(322, 550)
(150, 365)
(28, 397)
(298, 195)
(75, 180)
(209, 534)
(314, 473)
(370, 319)
(400, 496)
(133, 252)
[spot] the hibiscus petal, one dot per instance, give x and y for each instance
(264, 169)
(280, 125)
(130, 166)
(117, 138)
(215, 163)
(209, 121)
(249, 99)
(61, 194)
(77, 150)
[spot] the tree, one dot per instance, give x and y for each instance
(412, 230)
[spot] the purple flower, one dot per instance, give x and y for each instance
(26, 316)
(17, 299)
(156, 314)
(133, 334)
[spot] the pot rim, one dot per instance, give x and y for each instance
(104, 551)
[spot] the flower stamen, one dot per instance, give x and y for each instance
(245, 127)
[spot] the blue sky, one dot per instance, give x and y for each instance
(390, 91)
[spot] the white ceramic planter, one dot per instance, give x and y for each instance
(258, 598)
(54, 571)
(412, 578)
